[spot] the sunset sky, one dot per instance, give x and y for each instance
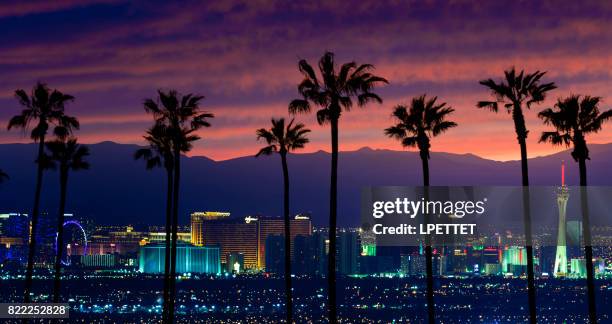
(242, 56)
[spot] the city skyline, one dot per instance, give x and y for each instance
(428, 136)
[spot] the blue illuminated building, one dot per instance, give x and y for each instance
(190, 259)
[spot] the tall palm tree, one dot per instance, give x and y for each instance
(182, 117)
(515, 92)
(282, 140)
(45, 109)
(573, 118)
(157, 154)
(334, 92)
(3, 176)
(66, 155)
(416, 127)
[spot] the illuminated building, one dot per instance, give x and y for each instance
(492, 268)
(230, 235)
(560, 268)
(189, 259)
(123, 242)
(235, 262)
(459, 261)
(197, 224)
(368, 243)
(246, 236)
(514, 260)
(578, 268)
(98, 260)
(14, 228)
(160, 237)
(490, 260)
(299, 225)
(513, 257)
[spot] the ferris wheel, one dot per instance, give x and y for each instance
(75, 241)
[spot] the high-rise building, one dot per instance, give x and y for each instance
(14, 225)
(246, 236)
(490, 260)
(14, 236)
(560, 268)
(299, 225)
(310, 257)
(230, 235)
(197, 224)
(413, 264)
(368, 242)
(513, 258)
(578, 268)
(189, 259)
(348, 252)
(574, 233)
(275, 254)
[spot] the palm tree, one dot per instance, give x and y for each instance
(45, 108)
(157, 154)
(334, 93)
(282, 140)
(182, 117)
(573, 118)
(515, 93)
(416, 127)
(3, 176)
(66, 155)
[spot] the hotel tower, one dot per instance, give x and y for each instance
(560, 269)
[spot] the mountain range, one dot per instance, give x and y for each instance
(118, 190)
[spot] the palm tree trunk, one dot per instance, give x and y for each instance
(528, 232)
(177, 176)
(60, 235)
(428, 249)
(425, 165)
(588, 248)
(333, 192)
(288, 291)
(34, 226)
(168, 229)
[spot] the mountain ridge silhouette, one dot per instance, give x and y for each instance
(118, 190)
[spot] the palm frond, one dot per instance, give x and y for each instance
(282, 139)
(335, 92)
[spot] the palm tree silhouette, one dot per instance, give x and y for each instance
(182, 117)
(573, 118)
(159, 153)
(45, 108)
(66, 155)
(334, 93)
(282, 140)
(3, 176)
(515, 93)
(416, 127)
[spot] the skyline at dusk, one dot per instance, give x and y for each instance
(242, 57)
